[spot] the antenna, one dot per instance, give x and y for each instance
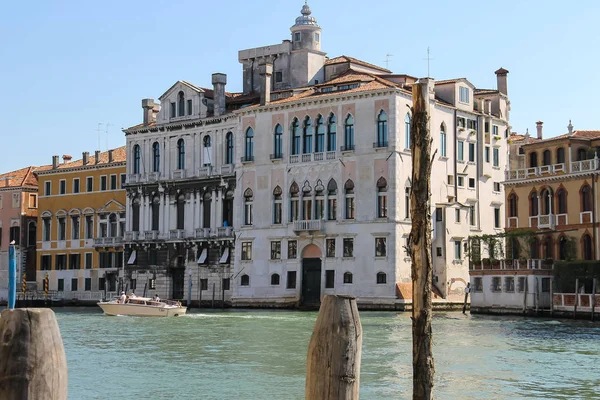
(387, 60)
(107, 125)
(98, 130)
(428, 60)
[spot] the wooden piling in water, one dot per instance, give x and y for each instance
(594, 297)
(33, 365)
(334, 351)
(576, 297)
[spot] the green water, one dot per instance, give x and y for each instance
(261, 355)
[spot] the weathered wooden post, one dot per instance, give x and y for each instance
(576, 297)
(594, 297)
(420, 241)
(32, 357)
(334, 351)
(467, 291)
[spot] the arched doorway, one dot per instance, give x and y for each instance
(311, 276)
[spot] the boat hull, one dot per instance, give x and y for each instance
(138, 310)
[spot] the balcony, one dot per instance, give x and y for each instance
(151, 235)
(134, 178)
(204, 171)
(348, 147)
(247, 159)
(202, 233)
(585, 217)
(177, 234)
(227, 169)
(379, 145)
(178, 174)
(546, 221)
(276, 156)
(108, 241)
(310, 225)
(153, 176)
(132, 236)
(513, 222)
(490, 264)
(584, 165)
(225, 232)
(553, 170)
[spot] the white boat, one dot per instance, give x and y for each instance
(143, 307)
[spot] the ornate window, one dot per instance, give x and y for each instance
(546, 157)
(349, 133)
(382, 129)
(296, 137)
(586, 198)
(533, 204)
(135, 217)
(181, 211)
(331, 132)
(562, 248)
(534, 249)
(306, 201)
(249, 147)
(546, 201)
(381, 198)
(332, 200)
(560, 155)
(180, 154)
(155, 157)
(229, 148)
(294, 202)
(319, 201)
(444, 146)
(248, 199)
(207, 150)
(155, 212)
(206, 208)
(320, 139)
(181, 104)
(277, 205)
(349, 197)
(586, 242)
(136, 159)
(278, 142)
(561, 199)
(533, 160)
(407, 131)
(307, 145)
(512, 205)
(547, 247)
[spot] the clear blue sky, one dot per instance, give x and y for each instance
(68, 65)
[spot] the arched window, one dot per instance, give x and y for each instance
(245, 280)
(278, 142)
(294, 202)
(347, 277)
(331, 132)
(562, 248)
(586, 243)
(443, 145)
(381, 278)
(320, 139)
(560, 155)
(181, 104)
(533, 159)
(407, 131)
(296, 137)
(586, 198)
(332, 200)
(381, 198)
(228, 208)
(546, 157)
(533, 204)
(581, 154)
(561, 199)
(206, 208)
(307, 144)
(155, 157)
(382, 129)
(349, 133)
(180, 154)
(277, 205)
(534, 249)
(275, 279)
(229, 148)
(136, 159)
(546, 202)
(207, 150)
(349, 195)
(113, 225)
(547, 245)
(181, 211)
(135, 217)
(155, 212)
(249, 148)
(248, 197)
(306, 201)
(512, 205)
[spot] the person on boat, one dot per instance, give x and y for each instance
(156, 298)
(122, 298)
(132, 295)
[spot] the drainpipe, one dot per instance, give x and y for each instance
(455, 156)
(479, 169)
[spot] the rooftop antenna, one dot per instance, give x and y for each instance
(107, 125)
(387, 60)
(428, 60)
(98, 130)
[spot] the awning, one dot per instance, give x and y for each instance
(131, 258)
(225, 256)
(203, 256)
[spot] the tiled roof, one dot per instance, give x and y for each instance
(587, 134)
(522, 139)
(119, 156)
(445, 81)
(345, 59)
(19, 178)
(485, 91)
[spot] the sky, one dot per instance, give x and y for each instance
(68, 66)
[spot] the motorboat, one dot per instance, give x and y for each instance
(143, 307)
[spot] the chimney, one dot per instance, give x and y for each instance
(265, 70)
(539, 126)
(97, 155)
(67, 158)
(110, 156)
(54, 162)
(149, 108)
(85, 157)
(219, 81)
(501, 76)
(487, 106)
(570, 127)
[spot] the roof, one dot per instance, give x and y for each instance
(485, 91)
(19, 178)
(501, 71)
(346, 59)
(579, 134)
(586, 134)
(119, 156)
(445, 81)
(522, 139)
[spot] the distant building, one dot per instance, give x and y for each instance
(311, 166)
(18, 223)
(82, 223)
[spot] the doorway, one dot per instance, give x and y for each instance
(311, 282)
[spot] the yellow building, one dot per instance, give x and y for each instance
(552, 190)
(82, 223)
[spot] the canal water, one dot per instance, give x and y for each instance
(261, 355)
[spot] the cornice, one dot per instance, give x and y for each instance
(88, 167)
(186, 124)
(551, 178)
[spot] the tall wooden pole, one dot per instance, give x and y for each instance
(420, 241)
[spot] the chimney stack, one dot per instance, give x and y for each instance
(501, 76)
(85, 157)
(265, 70)
(149, 111)
(110, 156)
(539, 126)
(54, 162)
(97, 155)
(487, 106)
(570, 127)
(219, 81)
(67, 158)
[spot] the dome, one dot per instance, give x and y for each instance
(306, 19)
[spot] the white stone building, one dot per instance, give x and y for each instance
(321, 176)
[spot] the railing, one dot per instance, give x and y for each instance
(108, 241)
(134, 178)
(201, 233)
(204, 171)
(585, 217)
(225, 231)
(308, 225)
(153, 176)
(584, 165)
(294, 159)
(319, 156)
(554, 169)
(562, 219)
(348, 147)
(227, 169)
(546, 221)
(513, 222)
(178, 174)
(330, 155)
(247, 159)
(307, 157)
(276, 156)
(151, 235)
(377, 145)
(537, 264)
(533, 221)
(132, 236)
(584, 301)
(177, 234)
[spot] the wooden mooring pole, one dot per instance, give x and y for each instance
(576, 297)
(334, 351)
(595, 282)
(33, 365)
